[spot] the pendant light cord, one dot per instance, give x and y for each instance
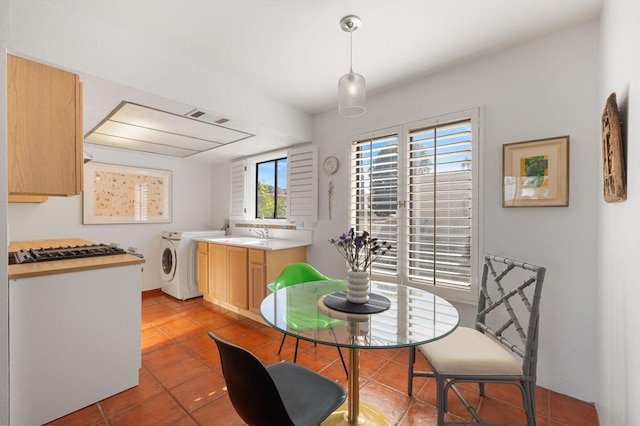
(351, 52)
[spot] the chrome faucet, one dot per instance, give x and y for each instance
(262, 233)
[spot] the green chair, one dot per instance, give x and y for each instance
(297, 273)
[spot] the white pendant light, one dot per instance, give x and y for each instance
(351, 87)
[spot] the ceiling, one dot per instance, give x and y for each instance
(294, 51)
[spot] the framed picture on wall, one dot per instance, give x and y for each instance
(122, 194)
(536, 173)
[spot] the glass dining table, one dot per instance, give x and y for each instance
(414, 317)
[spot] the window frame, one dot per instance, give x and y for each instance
(252, 189)
(302, 186)
(475, 115)
(275, 162)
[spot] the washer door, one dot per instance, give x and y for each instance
(168, 261)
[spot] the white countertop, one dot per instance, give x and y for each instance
(256, 243)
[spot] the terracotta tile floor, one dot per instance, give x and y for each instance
(181, 382)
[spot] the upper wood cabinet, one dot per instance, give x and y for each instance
(44, 114)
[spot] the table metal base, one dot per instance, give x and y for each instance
(354, 412)
(368, 415)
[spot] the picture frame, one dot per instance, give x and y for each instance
(536, 173)
(115, 194)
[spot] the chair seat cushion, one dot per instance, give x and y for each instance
(308, 396)
(467, 351)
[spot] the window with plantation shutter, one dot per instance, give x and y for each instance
(374, 194)
(303, 184)
(276, 182)
(238, 190)
(439, 204)
(416, 186)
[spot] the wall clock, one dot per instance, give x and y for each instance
(331, 164)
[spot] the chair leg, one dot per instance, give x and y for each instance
(412, 360)
(441, 402)
(464, 401)
(295, 354)
(342, 360)
(529, 398)
(284, 336)
(481, 386)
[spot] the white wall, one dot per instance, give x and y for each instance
(220, 192)
(4, 290)
(53, 33)
(618, 286)
(541, 89)
(61, 217)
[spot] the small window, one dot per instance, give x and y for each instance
(271, 189)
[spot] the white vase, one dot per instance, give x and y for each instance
(358, 286)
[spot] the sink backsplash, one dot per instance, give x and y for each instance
(276, 230)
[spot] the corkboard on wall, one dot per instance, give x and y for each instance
(122, 194)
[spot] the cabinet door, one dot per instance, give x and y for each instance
(276, 260)
(237, 274)
(44, 118)
(257, 279)
(218, 271)
(203, 268)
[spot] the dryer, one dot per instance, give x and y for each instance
(179, 262)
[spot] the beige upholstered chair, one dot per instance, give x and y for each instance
(503, 346)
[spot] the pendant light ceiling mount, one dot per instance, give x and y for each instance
(351, 87)
(350, 23)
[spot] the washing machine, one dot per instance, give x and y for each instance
(179, 262)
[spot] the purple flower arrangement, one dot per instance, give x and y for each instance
(360, 250)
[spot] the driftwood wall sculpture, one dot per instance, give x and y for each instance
(615, 181)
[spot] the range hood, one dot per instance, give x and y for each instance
(140, 128)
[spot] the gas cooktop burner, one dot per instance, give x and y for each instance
(60, 253)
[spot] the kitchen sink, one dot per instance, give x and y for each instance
(240, 240)
(258, 243)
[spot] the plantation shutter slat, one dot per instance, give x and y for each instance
(374, 195)
(302, 175)
(439, 204)
(238, 190)
(431, 217)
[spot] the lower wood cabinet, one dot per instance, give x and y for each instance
(264, 267)
(238, 294)
(218, 279)
(203, 267)
(237, 277)
(257, 279)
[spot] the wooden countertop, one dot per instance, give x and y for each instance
(27, 270)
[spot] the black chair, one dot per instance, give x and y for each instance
(503, 346)
(278, 394)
